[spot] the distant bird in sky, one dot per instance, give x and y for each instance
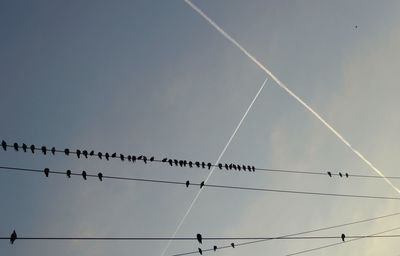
(84, 175)
(343, 237)
(32, 148)
(66, 151)
(100, 175)
(24, 147)
(202, 184)
(69, 173)
(199, 238)
(215, 248)
(13, 237)
(200, 251)
(4, 145)
(46, 172)
(16, 147)
(78, 153)
(44, 150)
(53, 150)
(233, 245)
(187, 183)
(330, 174)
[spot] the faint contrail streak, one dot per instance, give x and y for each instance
(283, 86)
(212, 170)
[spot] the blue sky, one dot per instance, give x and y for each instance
(152, 77)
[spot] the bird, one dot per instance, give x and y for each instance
(133, 159)
(100, 175)
(340, 174)
(184, 163)
(129, 157)
(343, 237)
(152, 159)
(69, 173)
(220, 166)
(107, 156)
(330, 174)
(181, 163)
(145, 159)
(66, 151)
(347, 175)
(215, 248)
(203, 165)
(84, 175)
(100, 155)
(226, 166)
(187, 183)
(209, 166)
(190, 164)
(16, 146)
(253, 168)
(4, 145)
(230, 166)
(244, 167)
(91, 153)
(238, 167)
(233, 245)
(32, 148)
(164, 160)
(176, 162)
(199, 238)
(85, 153)
(114, 155)
(13, 237)
(197, 164)
(24, 147)
(44, 150)
(170, 162)
(122, 157)
(53, 150)
(201, 184)
(46, 172)
(200, 251)
(78, 153)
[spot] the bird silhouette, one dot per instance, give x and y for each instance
(145, 159)
(184, 163)
(244, 167)
(347, 175)
(209, 166)
(100, 175)
(133, 159)
(24, 147)
(230, 166)
(238, 167)
(13, 237)
(46, 172)
(226, 166)
(176, 162)
(199, 238)
(187, 183)
(181, 163)
(122, 157)
(200, 251)
(330, 174)
(91, 153)
(170, 162)
(253, 168)
(249, 168)
(203, 165)
(215, 248)
(197, 164)
(100, 155)
(233, 245)
(340, 174)
(190, 164)
(69, 173)
(85, 153)
(53, 150)
(32, 148)
(4, 145)
(129, 157)
(220, 166)
(140, 157)
(114, 155)
(107, 156)
(78, 153)
(84, 175)
(164, 160)
(152, 159)
(66, 151)
(16, 146)
(343, 237)
(44, 150)
(201, 184)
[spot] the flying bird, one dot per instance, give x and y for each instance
(16, 146)
(215, 248)
(4, 145)
(78, 153)
(32, 148)
(46, 172)
(200, 251)
(85, 153)
(343, 237)
(69, 173)
(330, 174)
(84, 175)
(66, 151)
(187, 183)
(233, 245)
(13, 237)
(199, 238)
(100, 175)
(24, 147)
(44, 150)
(201, 184)
(53, 150)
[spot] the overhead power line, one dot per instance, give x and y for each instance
(85, 175)
(329, 172)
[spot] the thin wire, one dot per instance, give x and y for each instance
(295, 234)
(208, 185)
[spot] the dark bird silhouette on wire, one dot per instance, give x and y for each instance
(107, 156)
(347, 175)
(201, 184)
(233, 245)
(343, 237)
(114, 155)
(32, 148)
(53, 150)
(78, 153)
(190, 164)
(197, 164)
(24, 147)
(84, 175)
(69, 173)
(330, 174)
(100, 155)
(209, 166)
(203, 165)
(238, 167)
(244, 167)
(91, 153)
(44, 150)
(215, 248)
(4, 145)
(340, 174)
(199, 238)
(16, 147)
(226, 166)
(66, 151)
(85, 153)
(122, 157)
(100, 175)
(200, 251)
(187, 183)
(220, 166)
(129, 158)
(152, 159)
(46, 172)
(133, 159)
(164, 160)
(176, 162)
(170, 162)
(181, 163)
(145, 159)
(13, 237)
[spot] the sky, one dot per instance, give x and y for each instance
(154, 78)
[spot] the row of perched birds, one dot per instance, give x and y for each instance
(340, 174)
(130, 158)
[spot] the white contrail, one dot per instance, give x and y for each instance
(212, 170)
(283, 86)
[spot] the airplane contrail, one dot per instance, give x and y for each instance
(212, 170)
(284, 87)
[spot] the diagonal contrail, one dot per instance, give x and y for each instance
(284, 87)
(212, 170)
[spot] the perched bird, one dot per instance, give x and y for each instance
(100, 155)
(107, 156)
(53, 150)
(133, 159)
(164, 160)
(152, 159)
(215, 248)
(343, 237)
(32, 148)
(200, 251)
(24, 147)
(197, 164)
(347, 175)
(85, 153)
(209, 166)
(253, 168)
(13, 237)
(91, 153)
(190, 164)
(220, 166)
(181, 163)
(249, 168)
(226, 166)
(244, 167)
(238, 167)
(84, 175)
(201, 184)
(44, 150)
(100, 175)
(4, 145)
(203, 165)
(46, 172)
(199, 238)
(176, 162)
(122, 157)
(184, 163)
(340, 174)
(233, 245)
(170, 162)
(145, 159)
(114, 155)
(16, 146)
(66, 151)
(69, 173)
(78, 153)
(329, 173)
(129, 158)
(187, 183)
(230, 166)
